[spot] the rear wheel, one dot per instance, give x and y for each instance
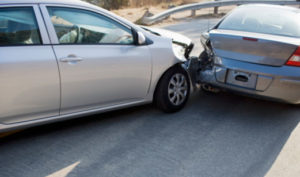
(173, 90)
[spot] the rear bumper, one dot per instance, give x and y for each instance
(279, 83)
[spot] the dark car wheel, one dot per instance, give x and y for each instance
(173, 90)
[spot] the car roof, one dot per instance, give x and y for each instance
(76, 2)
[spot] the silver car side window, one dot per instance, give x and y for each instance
(76, 26)
(18, 26)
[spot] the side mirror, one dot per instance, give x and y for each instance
(141, 39)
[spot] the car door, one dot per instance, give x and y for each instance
(99, 64)
(29, 77)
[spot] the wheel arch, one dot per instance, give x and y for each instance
(179, 65)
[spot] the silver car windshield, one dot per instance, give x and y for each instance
(263, 19)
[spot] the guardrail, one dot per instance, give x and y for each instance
(215, 4)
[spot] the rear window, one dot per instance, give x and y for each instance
(18, 26)
(262, 19)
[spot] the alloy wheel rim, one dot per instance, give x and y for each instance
(177, 89)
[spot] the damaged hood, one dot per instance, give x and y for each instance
(176, 37)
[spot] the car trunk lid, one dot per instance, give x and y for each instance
(251, 47)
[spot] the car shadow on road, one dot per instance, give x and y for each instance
(215, 135)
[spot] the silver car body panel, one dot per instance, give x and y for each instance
(105, 79)
(124, 76)
(42, 121)
(29, 84)
(278, 83)
(253, 47)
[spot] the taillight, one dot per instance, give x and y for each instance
(295, 59)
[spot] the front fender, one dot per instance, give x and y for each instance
(163, 58)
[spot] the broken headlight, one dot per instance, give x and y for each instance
(179, 51)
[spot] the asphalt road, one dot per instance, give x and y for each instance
(222, 135)
(193, 28)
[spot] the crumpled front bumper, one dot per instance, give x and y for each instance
(192, 67)
(276, 83)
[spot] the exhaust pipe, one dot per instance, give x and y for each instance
(209, 88)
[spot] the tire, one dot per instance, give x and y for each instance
(173, 90)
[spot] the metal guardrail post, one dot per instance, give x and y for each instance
(216, 9)
(193, 13)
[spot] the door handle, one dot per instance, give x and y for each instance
(71, 59)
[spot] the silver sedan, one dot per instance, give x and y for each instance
(62, 59)
(254, 50)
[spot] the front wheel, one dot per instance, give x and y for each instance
(173, 90)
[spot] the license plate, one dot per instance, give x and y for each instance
(242, 79)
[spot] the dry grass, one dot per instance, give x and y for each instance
(163, 3)
(117, 4)
(138, 8)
